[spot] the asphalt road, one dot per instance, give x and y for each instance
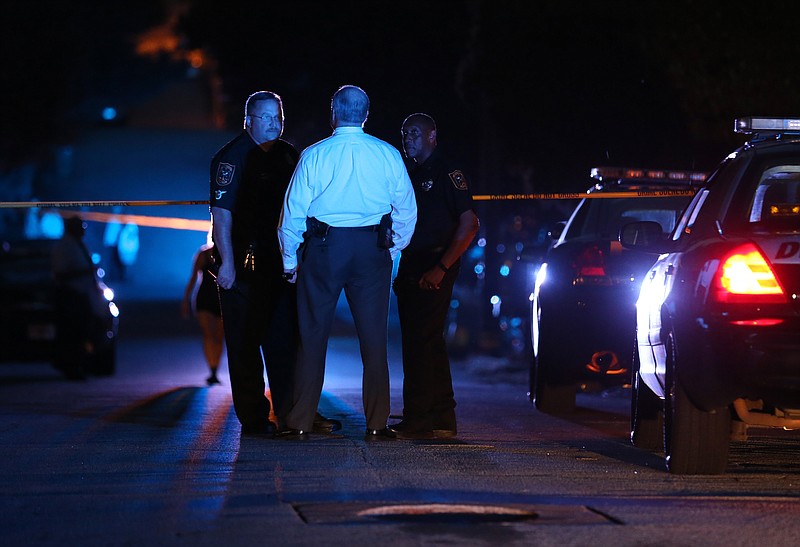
(152, 456)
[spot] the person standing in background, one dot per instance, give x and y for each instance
(429, 266)
(76, 299)
(201, 298)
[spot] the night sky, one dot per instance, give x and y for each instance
(530, 94)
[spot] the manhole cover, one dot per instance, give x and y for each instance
(348, 512)
(443, 512)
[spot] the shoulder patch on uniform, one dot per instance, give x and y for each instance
(225, 173)
(459, 180)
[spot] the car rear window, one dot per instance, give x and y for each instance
(603, 218)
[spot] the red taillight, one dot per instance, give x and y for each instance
(745, 276)
(591, 262)
(763, 322)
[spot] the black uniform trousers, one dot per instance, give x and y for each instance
(345, 259)
(259, 318)
(428, 400)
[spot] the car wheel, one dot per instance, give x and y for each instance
(696, 442)
(549, 394)
(647, 415)
(104, 363)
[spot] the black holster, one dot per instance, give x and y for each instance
(385, 232)
(317, 228)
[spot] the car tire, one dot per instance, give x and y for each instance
(550, 396)
(554, 399)
(104, 363)
(549, 392)
(696, 442)
(647, 412)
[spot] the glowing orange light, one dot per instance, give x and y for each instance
(151, 222)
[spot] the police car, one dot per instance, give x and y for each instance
(718, 317)
(583, 302)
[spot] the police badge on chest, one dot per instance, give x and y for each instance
(427, 185)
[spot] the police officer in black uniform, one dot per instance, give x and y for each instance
(446, 225)
(249, 177)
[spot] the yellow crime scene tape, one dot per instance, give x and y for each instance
(592, 195)
(59, 204)
(477, 197)
(203, 225)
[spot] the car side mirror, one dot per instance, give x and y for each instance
(643, 236)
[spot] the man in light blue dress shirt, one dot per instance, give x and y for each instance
(339, 193)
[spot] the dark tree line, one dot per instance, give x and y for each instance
(532, 92)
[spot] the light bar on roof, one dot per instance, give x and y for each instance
(627, 173)
(753, 124)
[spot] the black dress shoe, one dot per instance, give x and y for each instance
(412, 430)
(400, 426)
(385, 433)
(291, 434)
(415, 434)
(325, 425)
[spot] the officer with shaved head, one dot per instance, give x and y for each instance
(446, 225)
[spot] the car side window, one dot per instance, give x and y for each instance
(577, 222)
(689, 216)
(776, 200)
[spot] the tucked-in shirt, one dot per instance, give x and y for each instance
(349, 179)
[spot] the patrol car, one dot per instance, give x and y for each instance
(718, 317)
(583, 302)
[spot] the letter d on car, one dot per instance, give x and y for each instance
(787, 249)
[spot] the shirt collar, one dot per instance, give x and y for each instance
(429, 161)
(348, 129)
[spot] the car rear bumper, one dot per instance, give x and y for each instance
(581, 324)
(745, 362)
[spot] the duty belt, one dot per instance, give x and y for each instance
(373, 228)
(317, 228)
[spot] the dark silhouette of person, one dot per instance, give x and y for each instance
(202, 300)
(76, 299)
